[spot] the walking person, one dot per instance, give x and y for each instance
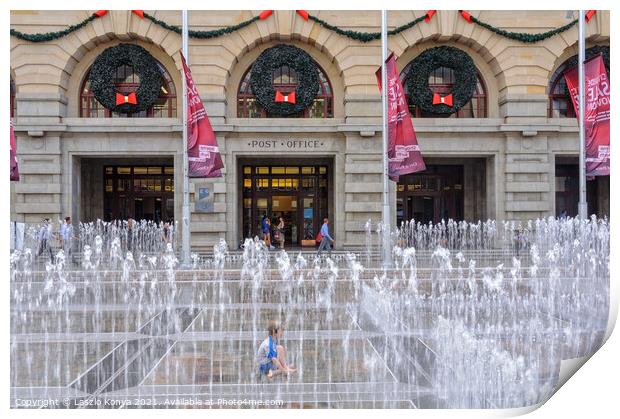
(61, 237)
(45, 233)
(326, 239)
(66, 233)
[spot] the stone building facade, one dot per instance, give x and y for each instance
(512, 158)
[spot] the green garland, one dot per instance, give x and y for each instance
(50, 36)
(203, 34)
(365, 36)
(355, 35)
(525, 37)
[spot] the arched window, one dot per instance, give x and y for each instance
(441, 81)
(560, 102)
(126, 80)
(12, 98)
(285, 80)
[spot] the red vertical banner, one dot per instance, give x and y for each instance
(403, 151)
(596, 117)
(13, 153)
(202, 149)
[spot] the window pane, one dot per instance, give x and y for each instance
(262, 184)
(169, 185)
(126, 80)
(261, 203)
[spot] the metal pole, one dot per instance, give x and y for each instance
(583, 204)
(387, 251)
(186, 214)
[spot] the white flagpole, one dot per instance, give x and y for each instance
(583, 204)
(186, 214)
(387, 251)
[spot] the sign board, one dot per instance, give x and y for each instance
(204, 198)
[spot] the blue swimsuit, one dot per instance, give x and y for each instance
(273, 353)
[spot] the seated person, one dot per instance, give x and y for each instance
(271, 355)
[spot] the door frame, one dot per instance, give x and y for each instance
(278, 162)
(130, 194)
(438, 173)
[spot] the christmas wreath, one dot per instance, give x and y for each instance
(102, 78)
(261, 80)
(464, 84)
(590, 52)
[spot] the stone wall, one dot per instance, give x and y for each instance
(517, 141)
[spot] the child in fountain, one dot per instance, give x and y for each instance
(271, 357)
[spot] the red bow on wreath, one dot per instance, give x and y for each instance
(439, 100)
(290, 98)
(130, 98)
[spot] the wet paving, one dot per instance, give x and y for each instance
(356, 343)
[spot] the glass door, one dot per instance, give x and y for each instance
(422, 208)
(285, 206)
(309, 225)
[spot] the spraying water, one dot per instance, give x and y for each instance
(474, 315)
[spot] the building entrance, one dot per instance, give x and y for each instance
(567, 190)
(298, 192)
(432, 195)
(139, 192)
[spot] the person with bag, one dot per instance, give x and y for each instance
(325, 238)
(279, 233)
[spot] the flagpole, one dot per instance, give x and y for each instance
(387, 253)
(186, 214)
(583, 204)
